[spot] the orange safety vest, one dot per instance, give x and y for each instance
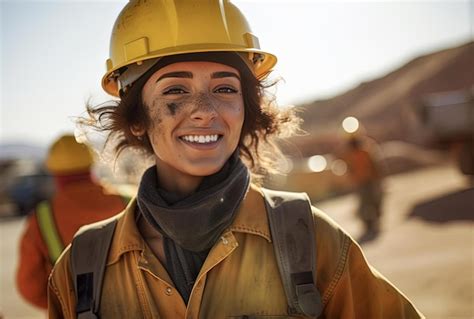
(49, 230)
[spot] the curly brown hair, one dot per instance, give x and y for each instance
(264, 122)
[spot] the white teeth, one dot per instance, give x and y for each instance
(201, 139)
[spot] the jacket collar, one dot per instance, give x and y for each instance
(126, 237)
(251, 219)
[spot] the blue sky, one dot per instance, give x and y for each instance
(53, 52)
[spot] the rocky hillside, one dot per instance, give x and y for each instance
(387, 106)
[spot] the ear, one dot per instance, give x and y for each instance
(137, 130)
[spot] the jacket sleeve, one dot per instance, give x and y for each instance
(33, 265)
(349, 286)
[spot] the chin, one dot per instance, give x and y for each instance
(205, 169)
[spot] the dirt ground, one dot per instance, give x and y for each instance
(426, 247)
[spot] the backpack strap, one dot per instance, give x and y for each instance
(49, 231)
(89, 252)
(293, 236)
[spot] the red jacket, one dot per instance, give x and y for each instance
(78, 201)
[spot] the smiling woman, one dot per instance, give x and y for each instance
(188, 103)
(199, 240)
(166, 88)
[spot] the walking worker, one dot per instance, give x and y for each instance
(367, 179)
(201, 238)
(77, 201)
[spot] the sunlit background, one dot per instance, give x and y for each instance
(53, 52)
(397, 74)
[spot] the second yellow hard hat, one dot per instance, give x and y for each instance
(66, 156)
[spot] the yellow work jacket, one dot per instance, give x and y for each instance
(239, 278)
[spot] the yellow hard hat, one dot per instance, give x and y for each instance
(66, 156)
(146, 30)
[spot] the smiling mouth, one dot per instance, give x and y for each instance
(201, 139)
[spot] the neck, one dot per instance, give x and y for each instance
(177, 182)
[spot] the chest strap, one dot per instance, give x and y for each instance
(293, 235)
(49, 231)
(89, 252)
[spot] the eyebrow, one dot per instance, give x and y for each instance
(189, 75)
(182, 74)
(224, 74)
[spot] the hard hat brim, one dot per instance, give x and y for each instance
(261, 70)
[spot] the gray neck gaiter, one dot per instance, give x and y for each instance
(197, 221)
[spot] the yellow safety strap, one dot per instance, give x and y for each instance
(49, 230)
(125, 199)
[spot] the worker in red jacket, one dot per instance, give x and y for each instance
(366, 177)
(77, 201)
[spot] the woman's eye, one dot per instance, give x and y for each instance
(175, 90)
(226, 89)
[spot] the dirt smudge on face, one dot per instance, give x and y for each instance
(173, 107)
(154, 113)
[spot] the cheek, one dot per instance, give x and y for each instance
(239, 113)
(234, 118)
(157, 127)
(174, 108)
(155, 113)
(239, 116)
(235, 113)
(157, 131)
(161, 110)
(233, 109)
(165, 108)
(163, 115)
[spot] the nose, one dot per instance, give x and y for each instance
(204, 110)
